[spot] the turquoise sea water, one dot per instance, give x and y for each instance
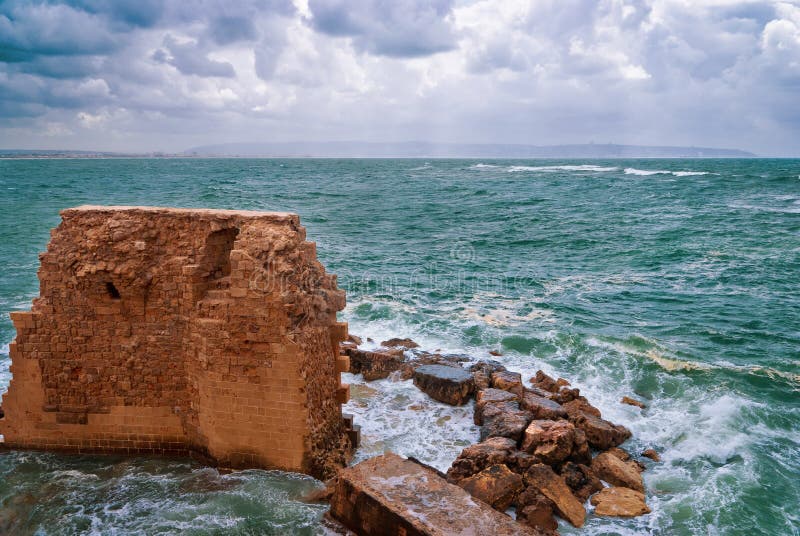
(676, 281)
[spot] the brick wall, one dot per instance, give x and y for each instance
(175, 331)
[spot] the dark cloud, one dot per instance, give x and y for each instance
(189, 59)
(404, 29)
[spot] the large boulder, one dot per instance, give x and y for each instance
(450, 385)
(396, 342)
(490, 396)
(581, 480)
(391, 495)
(375, 365)
(616, 472)
(541, 407)
(504, 419)
(542, 478)
(475, 458)
(600, 433)
(550, 441)
(508, 381)
(536, 511)
(545, 382)
(496, 485)
(619, 502)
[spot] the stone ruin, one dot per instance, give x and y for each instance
(182, 332)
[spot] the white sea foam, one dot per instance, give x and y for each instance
(484, 166)
(584, 167)
(648, 172)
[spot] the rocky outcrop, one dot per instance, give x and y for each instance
(391, 495)
(600, 433)
(550, 441)
(400, 343)
(477, 457)
(537, 511)
(652, 454)
(376, 365)
(632, 402)
(581, 480)
(504, 419)
(619, 502)
(508, 381)
(488, 397)
(446, 384)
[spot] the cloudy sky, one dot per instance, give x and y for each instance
(144, 75)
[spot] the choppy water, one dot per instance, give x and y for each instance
(672, 280)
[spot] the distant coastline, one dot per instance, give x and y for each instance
(357, 149)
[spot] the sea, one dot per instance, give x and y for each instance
(676, 282)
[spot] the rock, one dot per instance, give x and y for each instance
(566, 394)
(581, 453)
(487, 366)
(375, 365)
(495, 485)
(540, 407)
(617, 472)
(619, 502)
(536, 511)
(550, 441)
(490, 396)
(543, 381)
(632, 402)
(508, 381)
(581, 480)
(477, 457)
(450, 385)
(579, 406)
(652, 454)
(482, 381)
(542, 478)
(600, 434)
(355, 339)
(504, 419)
(399, 343)
(619, 453)
(495, 353)
(391, 495)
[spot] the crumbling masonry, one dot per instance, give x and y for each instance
(181, 331)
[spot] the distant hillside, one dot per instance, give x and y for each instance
(420, 149)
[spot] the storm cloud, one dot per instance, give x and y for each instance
(170, 74)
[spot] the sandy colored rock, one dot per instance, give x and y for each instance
(617, 472)
(450, 385)
(542, 478)
(496, 485)
(652, 454)
(475, 458)
(578, 406)
(545, 382)
(550, 441)
(619, 502)
(391, 495)
(481, 380)
(490, 396)
(632, 402)
(600, 434)
(508, 381)
(177, 331)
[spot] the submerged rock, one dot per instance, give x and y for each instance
(616, 472)
(446, 384)
(391, 495)
(542, 478)
(477, 457)
(619, 502)
(652, 454)
(496, 485)
(632, 402)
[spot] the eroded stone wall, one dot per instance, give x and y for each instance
(175, 331)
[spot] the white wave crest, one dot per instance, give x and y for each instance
(648, 172)
(584, 167)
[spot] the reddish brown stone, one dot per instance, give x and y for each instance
(496, 485)
(540, 407)
(581, 480)
(488, 397)
(652, 454)
(399, 343)
(545, 382)
(508, 381)
(536, 511)
(477, 457)
(376, 365)
(632, 402)
(550, 441)
(504, 419)
(600, 434)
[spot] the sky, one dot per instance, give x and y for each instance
(150, 75)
